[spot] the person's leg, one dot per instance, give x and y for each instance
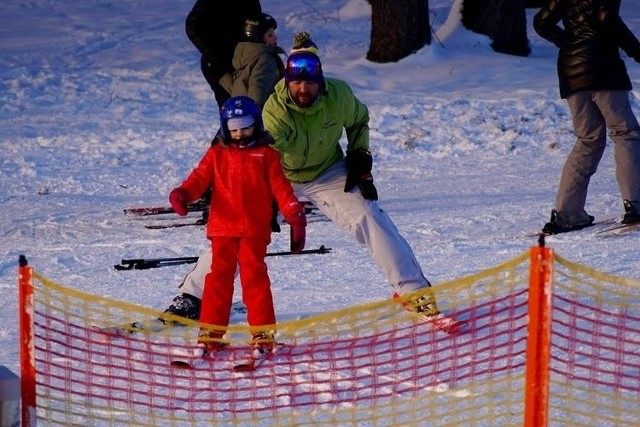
(188, 303)
(212, 75)
(256, 286)
(369, 224)
(256, 294)
(624, 131)
(218, 285)
(583, 160)
(193, 282)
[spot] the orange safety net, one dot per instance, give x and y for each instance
(371, 364)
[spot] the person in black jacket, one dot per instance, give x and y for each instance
(594, 81)
(215, 28)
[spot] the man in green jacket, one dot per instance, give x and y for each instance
(306, 116)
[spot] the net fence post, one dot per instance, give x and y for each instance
(539, 336)
(27, 354)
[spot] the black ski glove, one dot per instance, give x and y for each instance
(367, 189)
(359, 164)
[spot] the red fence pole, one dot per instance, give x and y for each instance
(539, 339)
(27, 355)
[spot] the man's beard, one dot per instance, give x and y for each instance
(304, 99)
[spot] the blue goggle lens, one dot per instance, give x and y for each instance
(304, 66)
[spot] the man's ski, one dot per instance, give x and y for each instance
(595, 225)
(605, 227)
(145, 263)
(312, 213)
(201, 221)
(442, 322)
(256, 359)
(198, 206)
(125, 330)
(620, 229)
(438, 320)
(152, 326)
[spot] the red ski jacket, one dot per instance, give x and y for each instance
(244, 180)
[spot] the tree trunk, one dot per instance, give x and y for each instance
(511, 35)
(504, 21)
(535, 4)
(399, 28)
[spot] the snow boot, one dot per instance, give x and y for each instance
(183, 305)
(562, 224)
(425, 308)
(261, 344)
(208, 342)
(631, 212)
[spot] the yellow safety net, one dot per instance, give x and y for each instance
(373, 364)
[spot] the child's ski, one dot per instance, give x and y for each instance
(256, 359)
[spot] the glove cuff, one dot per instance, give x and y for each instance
(359, 162)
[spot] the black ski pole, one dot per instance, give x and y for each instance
(147, 263)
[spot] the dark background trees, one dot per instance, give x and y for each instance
(400, 28)
(504, 21)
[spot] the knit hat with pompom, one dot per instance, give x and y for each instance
(302, 42)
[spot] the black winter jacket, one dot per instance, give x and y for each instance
(215, 27)
(593, 33)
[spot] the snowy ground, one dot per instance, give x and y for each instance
(103, 107)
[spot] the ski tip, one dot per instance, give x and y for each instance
(245, 367)
(181, 364)
(620, 229)
(253, 363)
(105, 334)
(458, 327)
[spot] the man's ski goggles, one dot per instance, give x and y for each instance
(303, 65)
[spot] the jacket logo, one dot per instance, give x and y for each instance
(329, 124)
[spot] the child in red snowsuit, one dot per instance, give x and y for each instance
(245, 174)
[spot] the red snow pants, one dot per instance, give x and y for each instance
(248, 254)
